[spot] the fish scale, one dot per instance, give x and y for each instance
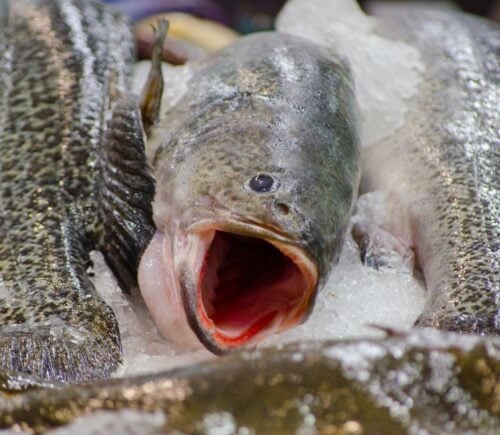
(61, 73)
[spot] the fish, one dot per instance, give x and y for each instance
(419, 381)
(71, 180)
(437, 177)
(256, 171)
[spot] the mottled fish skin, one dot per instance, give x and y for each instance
(63, 64)
(419, 382)
(444, 164)
(268, 104)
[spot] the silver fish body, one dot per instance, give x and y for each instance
(443, 166)
(63, 66)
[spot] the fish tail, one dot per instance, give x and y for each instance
(60, 353)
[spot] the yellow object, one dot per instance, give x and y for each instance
(206, 34)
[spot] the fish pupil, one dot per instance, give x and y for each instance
(261, 183)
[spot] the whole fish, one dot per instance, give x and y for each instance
(440, 172)
(68, 144)
(256, 170)
(419, 382)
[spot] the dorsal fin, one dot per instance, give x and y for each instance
(153, 89)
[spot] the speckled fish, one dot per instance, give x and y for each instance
(441, 171)
(65, 145)
(256, 170)
(421, 382)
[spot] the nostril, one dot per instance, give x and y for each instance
(282, 209)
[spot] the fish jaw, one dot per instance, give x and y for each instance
(161, 292)
(226, 286)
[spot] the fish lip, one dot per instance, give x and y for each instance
(189, 289)
(245, 227)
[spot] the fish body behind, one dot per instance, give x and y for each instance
(440, 171)
(256, 170)
(63, 66)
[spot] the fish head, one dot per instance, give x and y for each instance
(243, 257)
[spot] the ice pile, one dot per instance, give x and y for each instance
(358, 299)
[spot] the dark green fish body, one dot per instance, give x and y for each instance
(420, 382)
(443, 165)
(63, 66)
(256, 171)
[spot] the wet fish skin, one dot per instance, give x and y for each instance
(443, 165)
(268, 104)
(63, 66)
(421, 381)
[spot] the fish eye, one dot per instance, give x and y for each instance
(261, 183)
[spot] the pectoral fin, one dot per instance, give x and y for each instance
(126, 194)
(381, 230)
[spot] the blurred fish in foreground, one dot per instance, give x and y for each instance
(418, 382)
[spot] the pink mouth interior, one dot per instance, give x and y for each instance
(248, 287)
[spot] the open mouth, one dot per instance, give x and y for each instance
(249, 288)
